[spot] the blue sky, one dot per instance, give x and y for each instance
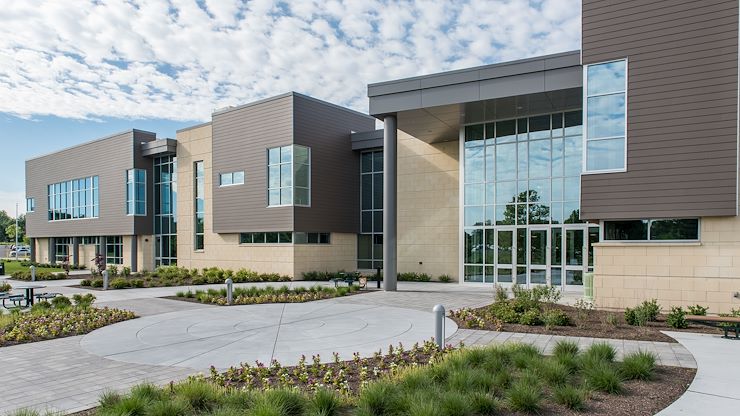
(71, 74)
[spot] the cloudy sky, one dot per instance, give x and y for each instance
(71, 71)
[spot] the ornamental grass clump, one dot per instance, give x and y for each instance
(268, 294)
(638, 366)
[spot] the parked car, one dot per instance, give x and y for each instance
(21, 252)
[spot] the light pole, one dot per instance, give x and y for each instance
(16, 231)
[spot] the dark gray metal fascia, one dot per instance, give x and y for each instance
(367, 140)
(159, 147)
(120, 133)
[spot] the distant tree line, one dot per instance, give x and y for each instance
(7, 228)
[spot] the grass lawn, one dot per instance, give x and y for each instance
(15, 266)
(510, 379)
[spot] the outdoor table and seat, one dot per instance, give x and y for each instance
(15, 299)
(349, 279)
(726, 323)
(29, 295)
(47, 296)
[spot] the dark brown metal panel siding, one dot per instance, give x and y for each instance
(335, 171)
(144, 225)
(241, 138)
(682, 107)
(107, 158)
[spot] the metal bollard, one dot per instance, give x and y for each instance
(33, 273)
(439, 325)
(229, 291)
(105, 279)
(377, 276)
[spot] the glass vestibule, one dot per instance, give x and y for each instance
(521, 202)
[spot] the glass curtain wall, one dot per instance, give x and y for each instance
(370, 240)
(165, 211)
(521, 201)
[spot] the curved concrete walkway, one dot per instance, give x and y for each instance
(226, 336)
(716, 387)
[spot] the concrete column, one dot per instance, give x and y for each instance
(134, 253)
(76, 251)
(52, 250)
(390, 163)
(33, 250)
(101, 247)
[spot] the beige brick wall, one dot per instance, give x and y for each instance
(706, 273)
(341, 254)
(145, 252)
(42, 250)
(428, 201)
(87, 255)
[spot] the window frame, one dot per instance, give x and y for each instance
(133, 200)
(603, 239)
(230, 174)
(67, 199)
(292, 178)
(586, 96)
(196, 246)
(30, 204)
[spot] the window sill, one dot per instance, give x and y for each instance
(646, 244)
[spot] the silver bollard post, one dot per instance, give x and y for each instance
(105, 279)
(33, 273)
(229, 291)
(439, 325)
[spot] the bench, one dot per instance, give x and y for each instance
(350, 280)
(47, 296)
(726, 323)
(16, 299)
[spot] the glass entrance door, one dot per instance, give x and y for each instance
(539, 255)
(575, 248)
(505, 249)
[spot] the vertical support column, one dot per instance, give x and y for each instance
(33, 250)
(76, 251)
(134, 253)
(52, 250)
(390, 163)
(101, 247)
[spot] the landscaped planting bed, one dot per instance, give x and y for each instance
(536, 311)
(269, 294)
(166, 276)
(511, 379)
(40, 275)
(57, 319)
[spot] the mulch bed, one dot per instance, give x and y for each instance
(597, 326)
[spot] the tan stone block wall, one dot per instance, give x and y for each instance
(705, 273)
(428, 206)
(341, 254)
(145, 252)
(42, 250)
(87, 255)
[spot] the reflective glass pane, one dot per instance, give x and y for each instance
(505, 246)
(490, 215)
(367, 222)
(606, 116)
(539, 127)
(474, 216)
(474, 273)
(273, 156)
(556, 276)
(539, 214)
(537, 276)
(474, 246)
(300, 156)
(301, 196)
(490, 193)
(556, 213)
(521, 214)
(522, 159)
(674, 229)
(505, 214)
(367, 191)
(273, 174)
(286, 175)
(474, 135)
(593, 238)
(475, 194)
(557, 189)
(574, 277)
(571, 212)
(505, 131)
(364, 246)
(605, 154)
(556, 246)
(606, 78)
(505, 192)
(490, 249)
(573, 122)
(274, 197)
(301, 175)
(366, 162)
(286, 196)
(378, 161)
(271, 238)
(286, 154)
(474, 164)
(539, 159)
(538, 247)
(378, 221)
(490, 163)
(573, 155)
(574, 247)
(521, 275)
(539, 190)
(378, 191)
(521, 246)
(506, 162)
(636, 230)
(504, 275)
(572, 189)
(489, 276)
(238, 177)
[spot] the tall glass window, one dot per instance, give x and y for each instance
(61, 249)
(200, 205)
(370, 240)
(289, 176)
(521, 188)
(136, 192)
(605, 102)
(165, 211)
(73, 199)
(30, 204)
(114, 250)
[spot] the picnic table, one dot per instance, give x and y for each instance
(349, 279)
(29, 289)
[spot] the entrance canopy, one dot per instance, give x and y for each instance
(433, 107)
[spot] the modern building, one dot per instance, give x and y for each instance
(620, 159)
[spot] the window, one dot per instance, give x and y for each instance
(114, 250)
(136, 192)
(289, 176)
(605, 102)
(61, 249)
(652, 230)
(311, 238)
(75, 199)
(200, 205)
(370, 241)
(283, 237)
(231, 178)
(165, 211)
(89, 241)
(30, 204)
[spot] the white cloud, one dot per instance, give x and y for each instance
(180, 59)
(8, 200)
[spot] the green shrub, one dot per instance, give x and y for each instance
(571, 397)
(638, 366)
(97, 283)
(423, 277)
(119, 283)
(601, 351)
(565, 348)
(505, 312)
(501, 294)
(677, 318)
(199, 395)
(126, 271)
(555, 317)
(602, 376)
(553, 371)
(378, 398)
(83, 301)
(325, 402)
(5, 287)
(547, 294)
(698, 310)
(137, 283)
(453, 403)
(631, 317)
(530, 317)
(61, 302)
(112, 271)
(524, 396)
(651, 309)
(85, 282)
(445, 278)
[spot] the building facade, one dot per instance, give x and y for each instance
(620, 159)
